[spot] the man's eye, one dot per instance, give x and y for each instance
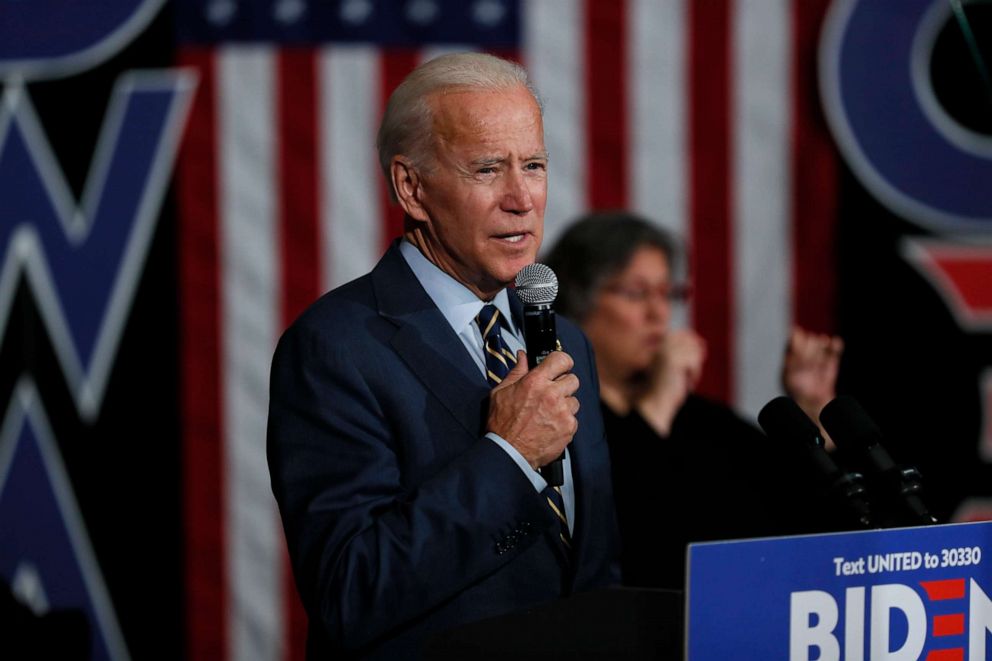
(486, 170)
(535, 165)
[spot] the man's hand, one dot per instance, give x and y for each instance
(534, 410)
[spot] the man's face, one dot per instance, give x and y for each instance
(481, 202)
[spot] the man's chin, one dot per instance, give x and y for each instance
(509, 275)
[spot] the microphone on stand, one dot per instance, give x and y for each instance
(537, 288)
(899, 488)
(785, 423)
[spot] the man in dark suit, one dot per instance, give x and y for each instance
(404, 443)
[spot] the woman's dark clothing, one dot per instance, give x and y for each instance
(714, 477)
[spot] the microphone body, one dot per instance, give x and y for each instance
(537, 288)
(540, 332)
(785, 423)
(898, 488)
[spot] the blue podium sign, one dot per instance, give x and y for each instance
(893, 595)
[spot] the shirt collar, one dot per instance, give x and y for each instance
(455, 301)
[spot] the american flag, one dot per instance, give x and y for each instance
(702, 115)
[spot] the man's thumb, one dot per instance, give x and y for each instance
(518, 372)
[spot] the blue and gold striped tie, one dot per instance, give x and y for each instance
(557, 504)
(499, 361)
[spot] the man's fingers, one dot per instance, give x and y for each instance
(573, 404)
(567, 384)
(556, 364)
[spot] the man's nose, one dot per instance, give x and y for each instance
(517, 197)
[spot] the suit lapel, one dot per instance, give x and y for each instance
(427, 344)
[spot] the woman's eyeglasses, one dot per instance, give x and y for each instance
(677, 293)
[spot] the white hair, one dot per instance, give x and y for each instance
(406, 126)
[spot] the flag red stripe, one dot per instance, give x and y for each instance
(511, 54)
(298, 177)
(394, 66)
(299, 230)
(814, 171)
(709, 202)
(606, 103)
(203, 484)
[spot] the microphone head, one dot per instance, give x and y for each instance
(856, 433)
(898, 488)
(787, 424)
(849, 425)
(784, 421)
(537, 285)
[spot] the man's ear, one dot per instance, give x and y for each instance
(407, 184)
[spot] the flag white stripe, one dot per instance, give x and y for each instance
(761, 103)
(249, 314)
(659, 129)
(348, 101)
(659, 154)
(554, 57)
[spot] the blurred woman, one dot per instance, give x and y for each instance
(685, 468)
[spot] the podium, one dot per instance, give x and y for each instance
(892, 595)
(907, 593)
(617, 624)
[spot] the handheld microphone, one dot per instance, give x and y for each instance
(900, 488)
(537, 288)
(784, 422)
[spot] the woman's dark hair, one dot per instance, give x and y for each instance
(596, 247)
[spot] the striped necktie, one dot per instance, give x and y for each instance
(499, 361)
(557, 504)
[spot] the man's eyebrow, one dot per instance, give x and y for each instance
(488, 160)
(495, 160)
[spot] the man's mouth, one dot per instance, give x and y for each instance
(514, 237)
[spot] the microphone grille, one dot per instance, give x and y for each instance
(537, 285)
